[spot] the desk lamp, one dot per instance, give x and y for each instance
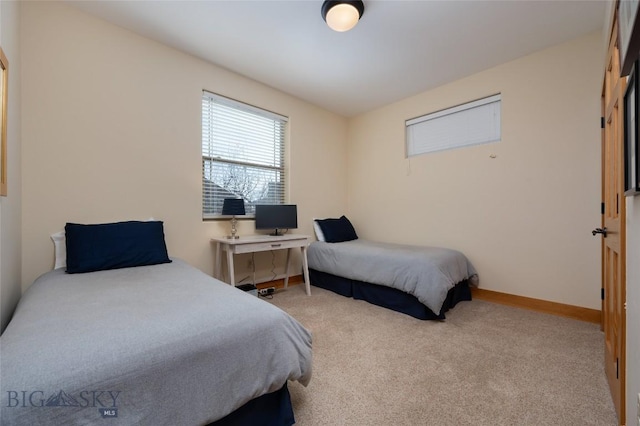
(233, 207)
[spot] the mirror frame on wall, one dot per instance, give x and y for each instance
(4, 86)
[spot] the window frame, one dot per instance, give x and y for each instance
(279, 151)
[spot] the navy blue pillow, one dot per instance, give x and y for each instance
(114, 245)
(337, 230)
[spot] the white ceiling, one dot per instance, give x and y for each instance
(398, 49)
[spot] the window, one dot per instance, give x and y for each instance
(242, 154)
(472, 123)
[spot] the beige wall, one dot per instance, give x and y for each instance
(523, 218)
(10, 206)
(111, 131)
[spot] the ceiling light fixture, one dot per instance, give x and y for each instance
(342, 15)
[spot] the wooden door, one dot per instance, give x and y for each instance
(613, 226)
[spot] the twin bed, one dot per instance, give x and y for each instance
(424, 282)
(156, 343)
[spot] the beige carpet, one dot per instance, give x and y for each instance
(487, 364)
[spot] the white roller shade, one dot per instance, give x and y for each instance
(472, 123)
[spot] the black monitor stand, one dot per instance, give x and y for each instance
(276, 234)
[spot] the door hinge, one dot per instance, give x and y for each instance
(602, 293)
(617, 368)
(602, 122)
(601, 208)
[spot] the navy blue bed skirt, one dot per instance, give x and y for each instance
(389, 297)
(272, 409)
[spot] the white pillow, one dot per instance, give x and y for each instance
(61, 249)
(319, 234)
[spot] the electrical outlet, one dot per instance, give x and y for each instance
(267, 291)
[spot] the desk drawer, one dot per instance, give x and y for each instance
(272, 245)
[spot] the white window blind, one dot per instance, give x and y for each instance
(242, 154)
(472, 123)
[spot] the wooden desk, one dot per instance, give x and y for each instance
(257, 243)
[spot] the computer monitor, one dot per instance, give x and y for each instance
(276, 217)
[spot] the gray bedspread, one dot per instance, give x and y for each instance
(427, 273)
(161, 345)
